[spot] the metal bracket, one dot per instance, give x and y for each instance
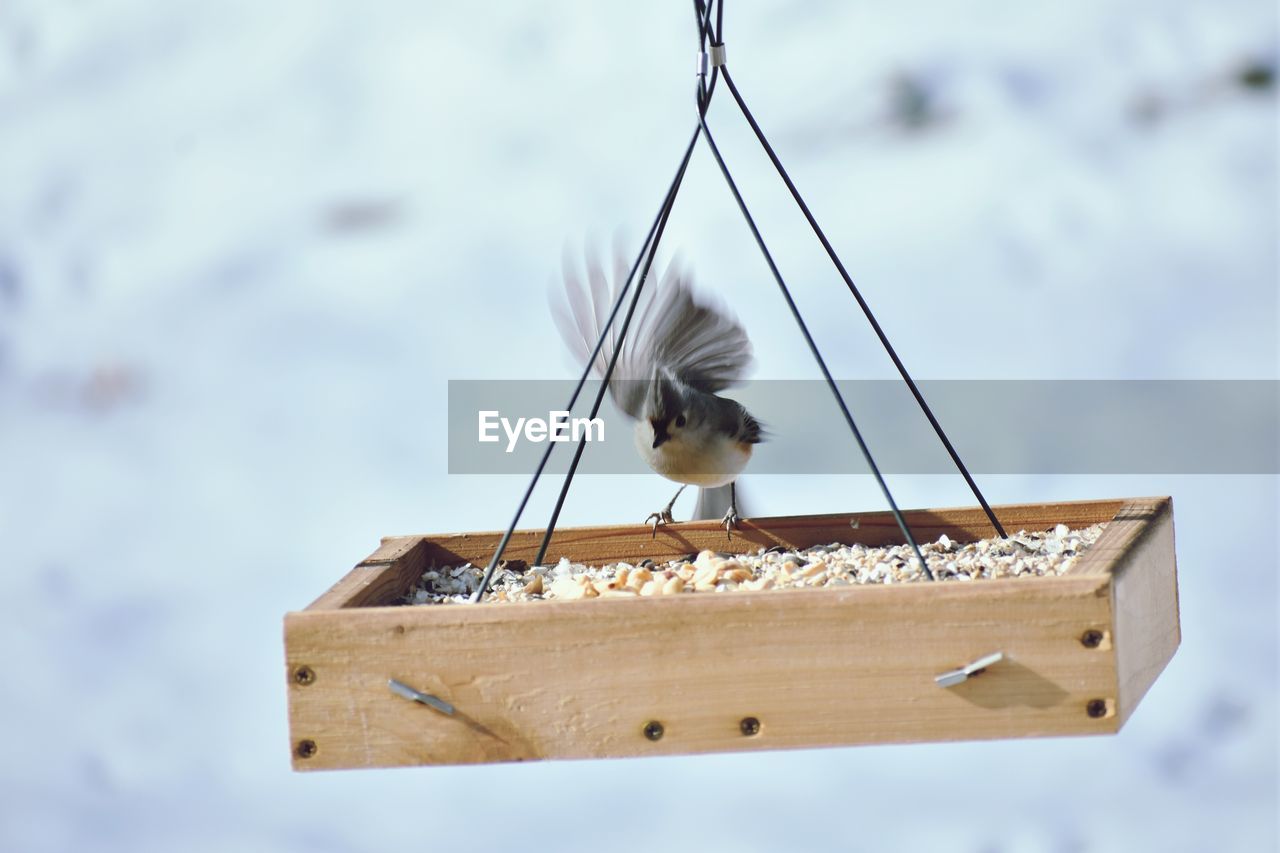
(401, 689)
(956, 676)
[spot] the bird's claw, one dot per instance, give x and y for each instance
(662, 517)
(730, 521)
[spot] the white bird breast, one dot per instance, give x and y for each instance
(715, 461)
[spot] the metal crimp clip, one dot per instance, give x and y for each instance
(401, 689)
(706, 61)
(956, 676)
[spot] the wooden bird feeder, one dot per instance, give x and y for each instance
(729, 671)
(376, 684)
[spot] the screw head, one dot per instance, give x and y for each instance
(1091, 639)
(750, 726)
(304, 675)
(1096, 708)
(305, 748)
(653, 730)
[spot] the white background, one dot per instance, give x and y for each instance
(244, 245)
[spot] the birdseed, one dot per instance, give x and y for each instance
(1025, 554)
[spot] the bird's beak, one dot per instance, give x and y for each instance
(659, 433)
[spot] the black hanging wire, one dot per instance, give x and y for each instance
(862, 303)
(573, 399)
(647, 249)
(702, 95)
(665, 213)
(715, 36)
(604, 383)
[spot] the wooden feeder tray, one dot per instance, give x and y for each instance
(715, 672)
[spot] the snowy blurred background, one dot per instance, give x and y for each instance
(244, 245)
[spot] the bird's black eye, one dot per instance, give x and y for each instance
(680, 420)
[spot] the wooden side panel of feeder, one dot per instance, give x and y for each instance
(1137, 552)
(813, 667)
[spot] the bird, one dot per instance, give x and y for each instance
(680, 350)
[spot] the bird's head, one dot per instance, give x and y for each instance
(666, 410)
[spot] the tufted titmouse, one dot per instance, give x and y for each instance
(678, 352)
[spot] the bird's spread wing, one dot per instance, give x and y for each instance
(583, 314)
(699, 342)
(673, 330)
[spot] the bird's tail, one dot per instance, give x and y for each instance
(714, 503)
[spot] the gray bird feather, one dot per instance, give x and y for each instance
(675, 334)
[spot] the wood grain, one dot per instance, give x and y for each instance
(383, 576)
(1145, 590)
(1130, 521)
(387, 574)
(817, 667)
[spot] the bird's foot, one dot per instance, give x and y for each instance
(661, 517)
(730, 521)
